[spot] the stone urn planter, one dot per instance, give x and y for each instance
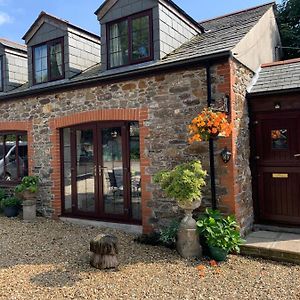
(188, 245)
(29, 206)
(27, 192)
(184, 184)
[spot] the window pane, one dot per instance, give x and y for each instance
(140, 38)
(135, 171)
(40, 64)
(67, 170)
(112, 170)
(10, 161)
(1, 73)
(23, 157)
(118, 44)
(56, 61)
(85, 178)
(279, 139)
(13, 160)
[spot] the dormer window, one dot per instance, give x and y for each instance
(48, 61)
(1, 74)
(130, 40)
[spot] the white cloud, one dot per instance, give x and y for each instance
(5, 18)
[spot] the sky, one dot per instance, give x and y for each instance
(16, 16)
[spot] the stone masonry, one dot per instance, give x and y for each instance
(163, 104)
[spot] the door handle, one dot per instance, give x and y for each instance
(297, 155)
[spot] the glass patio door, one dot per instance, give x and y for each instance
(101, 171)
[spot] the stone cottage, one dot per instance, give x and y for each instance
(97, 117)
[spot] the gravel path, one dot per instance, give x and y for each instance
(50, 260)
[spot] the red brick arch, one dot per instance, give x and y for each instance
(139, 115)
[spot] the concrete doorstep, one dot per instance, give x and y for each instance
(279, 246)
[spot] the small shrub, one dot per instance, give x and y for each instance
(28, 183)
(184, 182)
(10, 201)
(168, 235)
(221, 232)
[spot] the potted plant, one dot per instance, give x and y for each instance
(221, 234)
(184, 184)
(209, 124)
(10, 206)
(27, 192)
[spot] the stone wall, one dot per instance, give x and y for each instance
(163, 104)
(241, 140)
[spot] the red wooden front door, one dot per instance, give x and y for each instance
(276, 153)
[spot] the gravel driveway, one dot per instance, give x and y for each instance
(49, 260)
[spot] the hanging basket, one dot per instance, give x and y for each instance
(209, 125)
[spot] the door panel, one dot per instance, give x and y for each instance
(112, 171)
(84, 171)
(277, 160)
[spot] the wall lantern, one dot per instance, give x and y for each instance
(225, 155)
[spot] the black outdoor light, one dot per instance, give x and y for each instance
(226, 155)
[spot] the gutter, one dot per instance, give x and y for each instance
(117, 77)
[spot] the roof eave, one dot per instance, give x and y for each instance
(252, 95)
(114, 77)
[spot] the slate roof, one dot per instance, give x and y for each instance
(173, 4)
(278, 76)
(221, 36)
(13, 45)
(222, 33)
(59, 20)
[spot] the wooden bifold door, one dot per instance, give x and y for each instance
(276, 156)
(101, 171)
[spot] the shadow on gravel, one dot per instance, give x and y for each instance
(64, 250)
(56, 278)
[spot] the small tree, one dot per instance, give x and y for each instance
(289, 26)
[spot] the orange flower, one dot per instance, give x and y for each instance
(209, 123)
(201, 268)
(213, 263)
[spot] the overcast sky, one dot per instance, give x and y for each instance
(16, 16)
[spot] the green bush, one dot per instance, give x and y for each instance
(184, 183)
(219, 231)
(2, 196)
(28, 183)
(10, 201)
(168, 235)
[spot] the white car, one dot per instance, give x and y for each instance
(10, 172)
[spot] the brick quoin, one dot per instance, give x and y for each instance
(22, 126)
(227, 202)
(56, 124)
